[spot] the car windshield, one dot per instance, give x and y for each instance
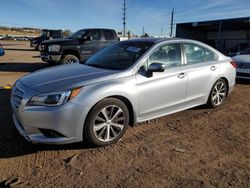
(119, 56)
(77, 35)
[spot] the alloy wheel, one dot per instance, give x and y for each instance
(109, 123)
(219, 93)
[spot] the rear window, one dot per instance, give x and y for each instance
(197, 54)
(109, 35)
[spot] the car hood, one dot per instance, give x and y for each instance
(65, 77)
(242, 58)
(63, 41)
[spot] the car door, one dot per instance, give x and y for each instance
(202, 70)
(163, 92)
(109, 37)
(89, 48)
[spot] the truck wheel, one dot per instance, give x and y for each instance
(38, 47)
(69, 59)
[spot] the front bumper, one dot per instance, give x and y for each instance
(67, 120)
(34, 135)
(243, 73)
(47, 57)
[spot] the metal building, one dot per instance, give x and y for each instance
(221, 34)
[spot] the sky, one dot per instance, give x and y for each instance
(152, 14)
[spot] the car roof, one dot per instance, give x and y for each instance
(98, 29)
(162, 40)
(153, 40)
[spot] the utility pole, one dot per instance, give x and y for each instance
(124, 18)
(161, 32)
(143, 31)
(172, 24)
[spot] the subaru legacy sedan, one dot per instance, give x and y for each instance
(123, 84)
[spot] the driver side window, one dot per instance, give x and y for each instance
(169, 54)
(95, 34)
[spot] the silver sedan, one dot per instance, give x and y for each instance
(123, 84)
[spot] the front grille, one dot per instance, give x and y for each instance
(243, 74)
(17, 97)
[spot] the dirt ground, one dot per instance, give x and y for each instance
(199, 147)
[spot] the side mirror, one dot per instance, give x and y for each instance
(156, 67)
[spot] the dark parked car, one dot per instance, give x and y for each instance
(77, 47)
(45, 35)
(1, 50)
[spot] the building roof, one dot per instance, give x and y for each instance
(227, 24)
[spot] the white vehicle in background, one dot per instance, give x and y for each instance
(243, 64)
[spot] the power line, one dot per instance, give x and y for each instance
(171, 24)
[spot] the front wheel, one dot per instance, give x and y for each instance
(218, 94)
(69, 59)
(106, 122)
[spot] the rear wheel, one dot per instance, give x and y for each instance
(69, 59)
(218, 94)
(106, 122)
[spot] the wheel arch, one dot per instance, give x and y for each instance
(71, 52)
(227, 83)
(129, 105)
(126, 101)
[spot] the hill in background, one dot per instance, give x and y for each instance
(19, 31)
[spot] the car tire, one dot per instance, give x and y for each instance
(218, 94)
(39, 48)
(106, 122)
(69, 59)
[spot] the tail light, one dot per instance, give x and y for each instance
(233, 63)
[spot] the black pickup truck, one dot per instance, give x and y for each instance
(78, 47)
(46, 34)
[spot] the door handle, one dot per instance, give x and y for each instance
(213, 68)
(181, 75)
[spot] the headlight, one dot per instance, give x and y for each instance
(53, 99)
(54, 48)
